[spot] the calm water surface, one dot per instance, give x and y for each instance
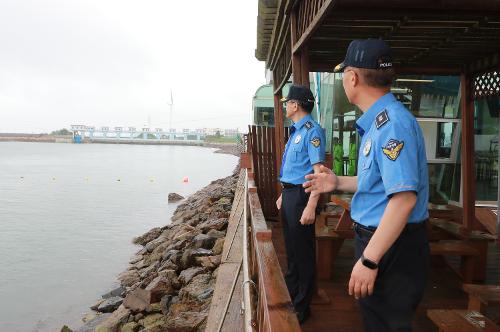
(67, 216)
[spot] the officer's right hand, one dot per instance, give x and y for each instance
(278, 203)
(323, 182)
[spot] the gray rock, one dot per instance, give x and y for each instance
(203, 241)
(97, 304)
(217, 224)
(139, 316)
(165, 303)
(90, 325)
(119, 291)
(187, 259)
(174, 197)
(206, 294)
(216, 234)
(198, 285)
(168, 265)
(202, 252)
(148, 236)
(186, 321)
(113, 322)
(169, 253)
(128, 278)
(187, 275)
(110, 304)
(159, 287)
(138, 300)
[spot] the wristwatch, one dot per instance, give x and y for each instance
(369, 263)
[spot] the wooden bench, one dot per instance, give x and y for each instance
(468, 255)
(332, 228)
(461, 321)
(482, 296)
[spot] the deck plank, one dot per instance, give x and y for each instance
(229, 270)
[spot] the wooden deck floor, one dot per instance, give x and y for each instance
(443, 292)
(225, 309)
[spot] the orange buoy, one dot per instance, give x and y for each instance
(185, 179)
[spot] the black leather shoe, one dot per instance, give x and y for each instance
(302, 316)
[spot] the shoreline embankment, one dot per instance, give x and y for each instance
(169, 283)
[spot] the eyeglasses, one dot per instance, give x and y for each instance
(288, 101)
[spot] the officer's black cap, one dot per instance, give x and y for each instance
(300, 93)
(367, 53)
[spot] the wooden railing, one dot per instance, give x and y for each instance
(267, 305)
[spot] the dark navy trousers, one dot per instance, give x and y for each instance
(300, 248)
(400, 282)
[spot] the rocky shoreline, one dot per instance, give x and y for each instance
(169, 283)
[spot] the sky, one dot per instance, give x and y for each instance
(113, 63)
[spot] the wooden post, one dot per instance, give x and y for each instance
(304, 66)
(498, 178)
(296, 57)
(279, 132)
(467, 155)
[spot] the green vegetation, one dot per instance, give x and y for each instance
(62, 132)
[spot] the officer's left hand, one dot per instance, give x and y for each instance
(362, 280)
(308, 216)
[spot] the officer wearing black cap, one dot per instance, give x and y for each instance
(304, 152)
(391, 189)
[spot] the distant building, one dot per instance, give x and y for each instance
(230, 132)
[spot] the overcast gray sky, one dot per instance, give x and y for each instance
(113, 63)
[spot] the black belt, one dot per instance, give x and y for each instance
(290, 185)
(368, 230)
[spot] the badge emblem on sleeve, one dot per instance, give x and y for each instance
(297, 139)
(316, 142)
(308, 125)
(393, 148)
(367, 148)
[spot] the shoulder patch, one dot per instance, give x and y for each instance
(308, 125)
(381, 119)
(393, 148)
(316, 141)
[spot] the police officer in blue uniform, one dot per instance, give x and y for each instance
(304, 152)
(391, 189)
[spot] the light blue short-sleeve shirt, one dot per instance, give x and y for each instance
(392, 159)
(305, 147)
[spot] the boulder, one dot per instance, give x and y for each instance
(138, 300)
(186, 321)
(216, 234)
(154, 308)
(130, 327)
(119, 291)
(134, 259)
(152, 320)
(110, 304)
(165, 303)
(218, 246)
(91, 325)
(187, 259)
(66, 329)
(113, 322)
(174, 197)
(148, 236)
(203, 241)
(97, 304)
(168, 265)
(128, 278)
(187, 275)
(198, 285)
(202, 252)
(217, 224)
(159, 287)
(148, 270)
(208, 262)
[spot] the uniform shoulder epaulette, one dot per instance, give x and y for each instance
(308, 125)
(381, 119)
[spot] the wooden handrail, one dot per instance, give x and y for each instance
(274, 309)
